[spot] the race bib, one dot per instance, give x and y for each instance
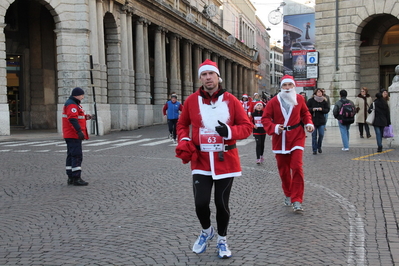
(258, 121)
(210, 140)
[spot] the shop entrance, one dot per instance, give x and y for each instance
(386, 76)
(14, 95)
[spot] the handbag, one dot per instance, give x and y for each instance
(371, 116)
(388, 132)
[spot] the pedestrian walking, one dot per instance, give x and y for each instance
(217, 120)
(283, 119)
(341, 113)
(329, 106)
(382, 118)
(171, 111)
(363, 102)
(259, 132)
(318, 107)
(74, 131)
(245, 102)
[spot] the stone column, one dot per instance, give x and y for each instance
(4, 109)
(130, 42)
(141, 95)
(234, 81)
(147, 60)
(101, 96)
(206, 54)
(228, 81)
(165, 75)
(187, 66)
(159, 89)
(93, 31)
(197, 60)
(145, 111)
(124, 59)
(239, 81)
(215, 58)
(174, 82)
(222, 70)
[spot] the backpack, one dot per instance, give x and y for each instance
(347, 113)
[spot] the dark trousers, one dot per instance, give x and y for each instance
(366, 126)
(172, 127)
(260, 145)
(74, 157)
(202, 186)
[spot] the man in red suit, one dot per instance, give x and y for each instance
(217, 120)
(284, 118)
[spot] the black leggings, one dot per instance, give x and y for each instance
(260, 145)
(202, 186)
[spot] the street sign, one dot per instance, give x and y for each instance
(312, 58)
(312, 72)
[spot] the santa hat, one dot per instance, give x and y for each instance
(258, 103)
(244, 96)
(286, 79)
(209, 65)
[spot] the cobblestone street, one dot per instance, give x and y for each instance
(138, 208)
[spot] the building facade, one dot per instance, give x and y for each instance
(263, 57)
(358, 44)
(276, 68)
(141, 52)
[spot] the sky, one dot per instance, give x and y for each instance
(263, 8)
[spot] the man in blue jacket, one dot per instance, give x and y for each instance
(172, 110)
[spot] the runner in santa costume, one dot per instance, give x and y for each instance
(283, 119)
(217, 120)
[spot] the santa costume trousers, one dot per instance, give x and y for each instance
(202, 186)
(290, 167)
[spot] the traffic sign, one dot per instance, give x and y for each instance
(312, 58)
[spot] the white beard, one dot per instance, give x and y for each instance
(212, 113)
(289, 97)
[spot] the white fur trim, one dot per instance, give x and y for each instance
(208, 68)
(286, 81)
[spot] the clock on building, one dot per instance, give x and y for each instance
(275, 17)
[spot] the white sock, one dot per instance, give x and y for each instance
(221, 238)
(207, 231)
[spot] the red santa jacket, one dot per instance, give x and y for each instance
(203, 111)
(73, 109)
(274, 115)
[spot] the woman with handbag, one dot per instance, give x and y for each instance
(362, 102)
(382, 118)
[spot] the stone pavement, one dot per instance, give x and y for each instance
(138, 208)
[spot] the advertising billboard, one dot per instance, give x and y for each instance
(299, 39)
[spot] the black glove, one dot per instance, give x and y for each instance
(222, 130)
(81, 135)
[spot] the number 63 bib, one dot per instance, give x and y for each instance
(210, 140)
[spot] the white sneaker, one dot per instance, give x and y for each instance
(287, 201)
(297, 206)
(345, 149)
(223, 249)
(202, 241)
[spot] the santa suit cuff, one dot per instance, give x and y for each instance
(188, 139)
(276, 129)
(229, 135)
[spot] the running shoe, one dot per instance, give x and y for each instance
(287, 201)
(223, 249)
(202, 241)
(262, 159)
(297, 206)
(258, 161)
